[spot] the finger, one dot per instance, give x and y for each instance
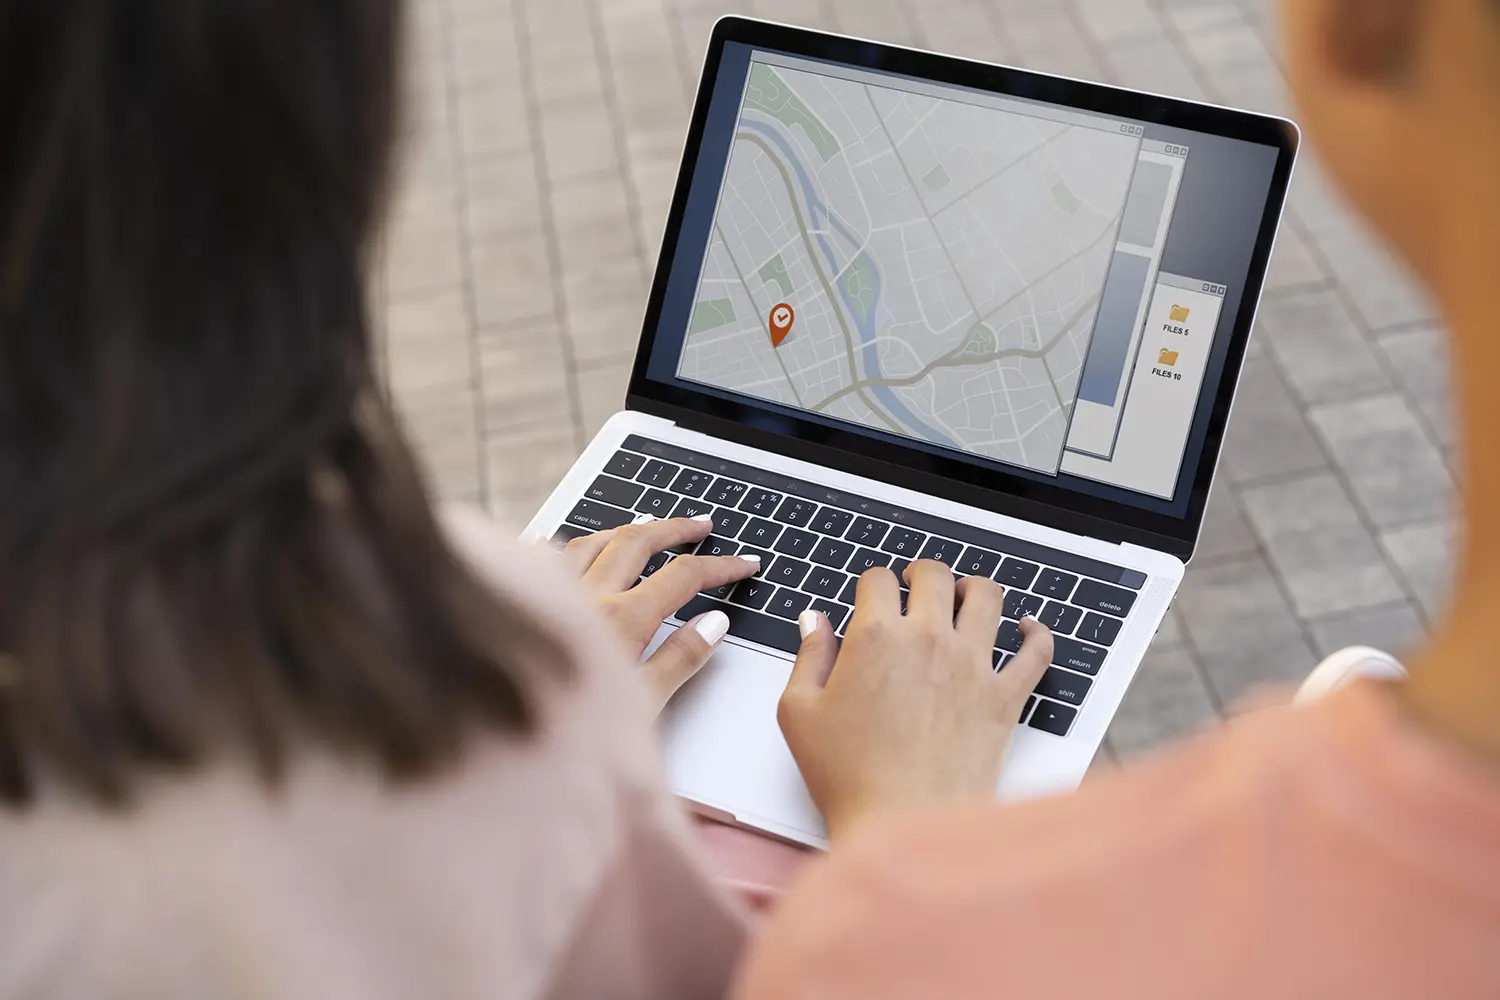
(815, 658)
(683, 653)
(620, 564)
(583, 550)
(876, 594)
(1024, 671)
(981, 603)
(672, 586)
(931, 592)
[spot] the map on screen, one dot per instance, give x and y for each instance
(927, 267)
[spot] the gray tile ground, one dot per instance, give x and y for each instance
(543, 138)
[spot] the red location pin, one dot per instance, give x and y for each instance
(782, 318)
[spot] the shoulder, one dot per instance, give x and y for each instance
(1124, 856)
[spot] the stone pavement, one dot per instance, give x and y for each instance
(543, 144)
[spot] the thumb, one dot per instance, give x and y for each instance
(820, 648)
(1024, 672)
(684, 652)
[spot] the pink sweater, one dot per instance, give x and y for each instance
(558, 868)
(1325, 852)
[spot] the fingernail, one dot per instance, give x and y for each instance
(712, 627)
(703, 517)
(807, 622)
(1031, 618)
(754, 559)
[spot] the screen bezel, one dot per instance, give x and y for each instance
(953, 478)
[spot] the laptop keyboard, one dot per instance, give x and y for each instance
(814, 543)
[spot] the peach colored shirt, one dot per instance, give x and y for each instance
(1324, 852)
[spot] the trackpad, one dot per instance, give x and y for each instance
(724, 749)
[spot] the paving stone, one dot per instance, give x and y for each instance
(1316, 344)
(441, 423)
(1225, 532)
(1384, 291)
(427, 341)
(1267, 433)
(1292, 265)
(1425, 556)
(1419, 360)
(601, 393)
(1397, 629)
(1237, 620)
(1168, 701)
(1114, 22)
(1154, 63)
(1314, 538)
(1396, 472)
(524, 375)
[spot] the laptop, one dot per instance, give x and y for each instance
(911, 306)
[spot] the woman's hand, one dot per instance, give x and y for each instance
(611, 562)
(910, 710)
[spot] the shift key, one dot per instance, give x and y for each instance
(598, 516)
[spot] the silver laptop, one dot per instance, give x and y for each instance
(916, 307)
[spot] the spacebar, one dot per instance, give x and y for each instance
(749, 625)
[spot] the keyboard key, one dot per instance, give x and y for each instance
(904, 542)
(749, 625)
(761, 503)
(658, 473)
(1001, 658)
(1055, 584)
(713, 545)
(1064, 686)
(788, 572)
(833, 553)
(608, 489)
(1075, 655)
(598, 516)
(832, 521)
(1030, 704)
(1019, 604)
(795, 511)
(657, 503)
(655, 563)
(753, 593)
(1051, 717)
(1100, 629)
(866, 531)
(898, 566)
(796, 543)
(728, 522)
(850, 589)
(1008, 637)
(562, 536)
(866, 559)
(625, 464)
(1017, 573)
(720, 593)
(1132, 578)
(1095, 596)
(688, 507)
(789, 603)
(942, 550)
(825, 582)
(977, 562)
(692, 483)
(1062, 619)
(836, 614)
(725, 493)
(767, 557)
(761, 532)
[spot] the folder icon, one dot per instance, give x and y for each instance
(1180, 314)
(1168, 358)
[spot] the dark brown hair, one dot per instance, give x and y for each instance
(212, 536)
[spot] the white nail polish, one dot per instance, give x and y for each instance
(754, 559)
(807, 622)
(1030, 618)
(712, 626)
(703, 517)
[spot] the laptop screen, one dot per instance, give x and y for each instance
(1029, 286)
